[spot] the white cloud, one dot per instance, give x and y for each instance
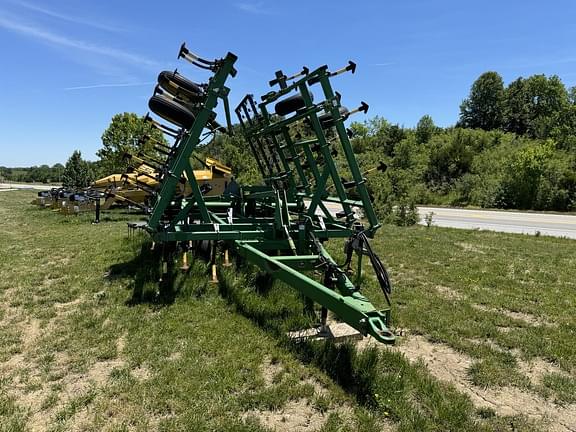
(253, 8)
(96, 86)
(49, 37)
(69, 18)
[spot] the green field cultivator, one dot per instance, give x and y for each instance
(280, 226)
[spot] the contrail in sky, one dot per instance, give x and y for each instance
(69, 18)
(56, 39)
(95, 86)
(256, 8)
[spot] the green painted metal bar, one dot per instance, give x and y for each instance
(326, 212)
(274, 96)
(252, 132)
(296, 258)
(320, 192)
(308, 142)
(296, 159)
(248, 125)
(182, 214)
(189, 143)
(351, 159)
(348, 201)
(176, 236)
(197, 193)
(299, 262)
(355, 310)
(325, 149)
(277, 126)
(272, 138)
(224, 233)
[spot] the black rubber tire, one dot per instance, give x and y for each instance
(171, 111)
(180, 86)
(327, 121)
(291, 104)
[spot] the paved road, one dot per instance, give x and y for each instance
(503, 221)
(556, 225)
(13, 186)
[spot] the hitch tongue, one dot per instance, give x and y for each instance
(379, 331)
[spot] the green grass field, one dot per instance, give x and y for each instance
(88, 343)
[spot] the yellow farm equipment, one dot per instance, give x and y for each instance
(135, 188)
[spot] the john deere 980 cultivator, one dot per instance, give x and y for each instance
(280, 226)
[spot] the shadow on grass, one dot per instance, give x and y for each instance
(382, 381)
(251, 294)
(152, 283)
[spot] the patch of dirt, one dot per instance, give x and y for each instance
(296, 416)
(66, 308)
(71, 385)
(451, 366)
(273, 369)
(449, 293)
(120, 345)
(39, 420)
(57, 261)
(15, 362)
(535, 369)
(30, 332)
(469, 247)
(141, 373)
(96, 376)
(518, 316)
(522, 316)
(24, 376)
(177, 355)
(489, 342)
(270, 370)
(49, 281)
(319, 389)
(80, 421)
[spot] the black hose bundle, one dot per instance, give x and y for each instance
(363, 247)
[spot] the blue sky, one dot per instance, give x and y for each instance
(69, 66)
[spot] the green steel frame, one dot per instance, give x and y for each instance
(275, 226)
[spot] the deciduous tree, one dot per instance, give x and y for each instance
(425, 129)
(77, 173)
(484, 107)
(123, 135)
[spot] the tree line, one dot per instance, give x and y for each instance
(513, 147)
(37, 174)
(76, 173)
(537, 107)
(122, 135)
